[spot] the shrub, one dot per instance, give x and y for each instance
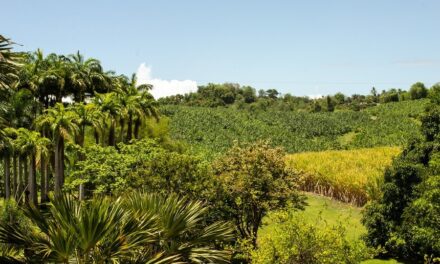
(298, 241)
(144, 164)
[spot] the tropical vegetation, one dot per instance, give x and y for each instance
(353, 176)
(213, 130)
(96, 170)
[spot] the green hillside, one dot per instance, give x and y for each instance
(215, 129)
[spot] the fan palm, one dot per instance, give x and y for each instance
(141, 229)
(182, 231)
(100, 231)
(63, 124)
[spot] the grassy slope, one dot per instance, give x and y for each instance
(333, 212)
(347, 175)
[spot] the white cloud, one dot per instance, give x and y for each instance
(315, 96)
(162, 88)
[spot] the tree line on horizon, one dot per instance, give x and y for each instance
(247, 97)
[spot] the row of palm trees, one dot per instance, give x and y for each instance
(52, 104)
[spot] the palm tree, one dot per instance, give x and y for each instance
(88, 115)
(138, 104)
(63, 124)
(148, 108)
(31, 144)
(10, 63)
(85, 76)
(5, 152)
(19, 167)
(128, 99)
(46, 77)
(109, 104)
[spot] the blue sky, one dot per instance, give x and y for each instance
(300, 47)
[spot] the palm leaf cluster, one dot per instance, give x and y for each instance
(9, 63)
(141, 228)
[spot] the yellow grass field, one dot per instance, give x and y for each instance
(351, 176)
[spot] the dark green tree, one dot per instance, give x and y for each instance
(418, 91)
(404, 221)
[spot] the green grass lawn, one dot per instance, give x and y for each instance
(334, 212)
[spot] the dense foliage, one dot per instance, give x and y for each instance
(51, 107)
(214, 130)
(252, 181)
(405, 221)
(295, 240)
(140, 228)
(146, 165)
(78, 143)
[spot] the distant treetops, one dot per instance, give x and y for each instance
(231, 94)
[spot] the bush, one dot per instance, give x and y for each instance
(144, 164)
(297, 241)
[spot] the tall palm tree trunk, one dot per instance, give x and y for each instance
(121, 133)
(43, 180)
(32, 181)
(81, 157)
(58, 166)
(111, 135)
(137, 126)
(96, 135)
(21, 184)
(25, 180)
(51, 171)
(7, 177)
(129, 127)
(62, 165)
(15, 176)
